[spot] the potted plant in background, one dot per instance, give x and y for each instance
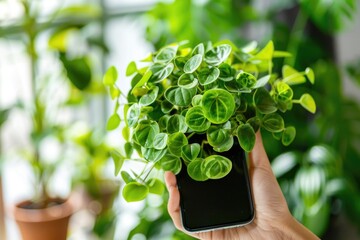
(54, 94)
(218, 91)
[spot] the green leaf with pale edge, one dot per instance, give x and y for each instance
(187, 81)
(218, 54)
(113, 122)
(308, 102)
(171, 163)
(110, 76)
(218, 105)
(160, 72)
(226, 146)
(195, 171)
(145, 133)
(175, 142)
(165, 55)
(208, 75)
(246, 136)
(190, 152)
(264, 102)
(176, 123)
(133, 114)
(199, 49)
(288, 135)
(273, 122)
(196, 100)
(131, 69)
(135, 191)
(118, 161)
(156, 186)
(180, 96)
(196, 120)
(152, 154)
(150, 97)
(245, 80)
(145, 78)
(217, 136)
(193, 63)
(216, 166)
(160, 141)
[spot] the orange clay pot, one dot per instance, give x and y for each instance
(43, 224)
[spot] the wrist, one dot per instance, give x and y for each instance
(292, 229)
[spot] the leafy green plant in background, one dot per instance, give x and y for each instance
(77, 82)
(217, 91)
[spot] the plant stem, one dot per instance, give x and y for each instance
(38, 111)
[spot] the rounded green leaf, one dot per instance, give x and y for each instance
(163, 122)
(113, 122)
(216, 166)
(246, 136)
(195, 171)
(226, 146)
(133, 115)
(175, 142)
(218, 54)
(288, 135)
(284, 92)
(196, 120)
(187, 81)
(196, 100)
(110, 76)
(218, 135)
(128, 148)
(218, 105)
(291, 76)
(199, 49)
(145, 133)
(165, 55)
(156, 186)
(308, 102)
(135, 191)
(310, 75)
(193, 63)
(166, 106)
(126, 177)
(176, 123)
(160, 141)
(171, 163)
(226, 72)
(264, 102)
(131, 69)
(180, 96)
(152, 154)
(160, 72)
(208, 75)
(273, 122)
(246, 80)
(190, 152)
(150, 97)
(255, 122)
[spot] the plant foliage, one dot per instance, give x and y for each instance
(217, 91)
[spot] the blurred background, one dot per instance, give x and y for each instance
(54, 108)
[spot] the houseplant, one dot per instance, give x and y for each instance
(217, 90)
(55, 81)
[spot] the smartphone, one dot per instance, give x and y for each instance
(217, 204)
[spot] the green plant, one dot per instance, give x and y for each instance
(217, 91)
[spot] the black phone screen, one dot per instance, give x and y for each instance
(217, 203)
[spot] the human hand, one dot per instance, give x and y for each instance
(273, 219)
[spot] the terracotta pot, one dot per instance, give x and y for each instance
(43, 224)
